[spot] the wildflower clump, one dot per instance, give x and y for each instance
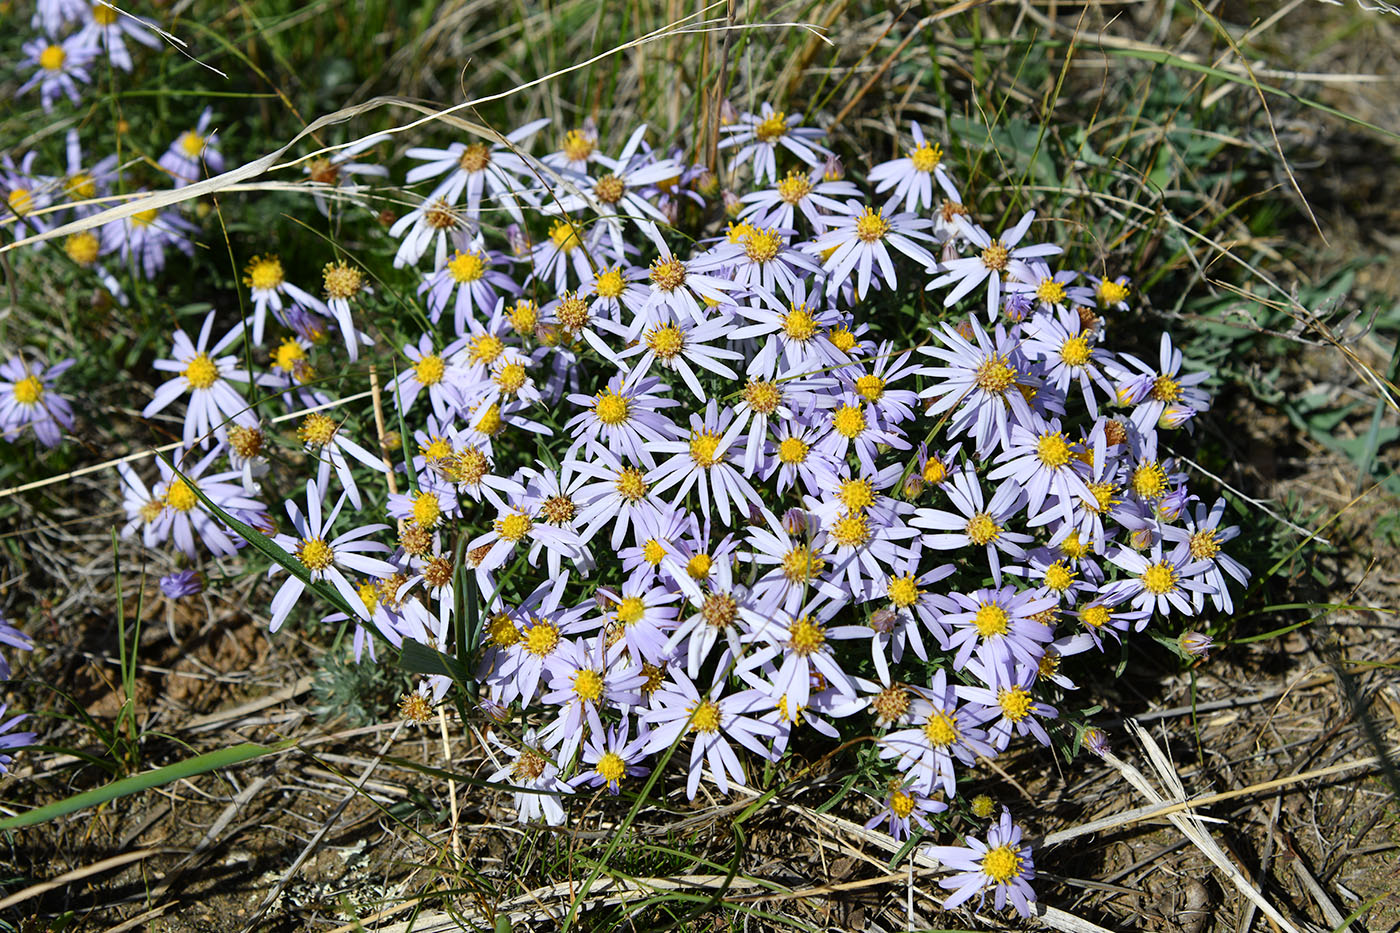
(706, 497)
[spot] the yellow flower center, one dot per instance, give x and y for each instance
(935, 471)
(558, 510)
(698, 566)
(1058, 577)
(631, 610)
(103, 15)
(792, 450)
(849, 421)
(80, 185)
(872, 225)
(762, 245)
(466, 267)
(1001, 864)
(901, 804)
(28, 390)
(702, 448)
(609, 284)
(991, 620)
(315, 553)
(468, 467)
(316, 429)
(762, 396)
(151, 510)
(1073, 546)
(429, 370)
(144, 218)
(842, 339)
(926, 157)
(611, 767)
(564, 236)
(427, 511)
(1165, 389)
(666, 341)
(1111, 293)
(191, 144)
(1015, 703)
(794, 187)
(524, 315)
(801, 565)
(668, 274)
(940, 729)
(653, 552)
(806, 636)
(704, 717)
(1150, 480)
(514, 526)
(798, 324)
(342, 280)
(201, 372)
(856, 494)
(631, 484)
(609, 189)
(1103, 497)
(851, 530)
(1203, 544)
(475, 157)
(1076, 351)
(771, 127)
(263, 273)
(1096, 615)
(588, 686)
(870, 387)
(52, 58)
(541, 638)
(503, 631)
(1050, 292)
(577, 147)
(490, 422)
(441, 216)
(1159, 578)
(996, 256)
(981, 529)
(572, 312)
(995, 375)
(1053, 450)
(510, 378)
(904, 591)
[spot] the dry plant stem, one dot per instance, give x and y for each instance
(376, 396)
(451, 784)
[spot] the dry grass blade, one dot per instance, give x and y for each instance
(1191, 825)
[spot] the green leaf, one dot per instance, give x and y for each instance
(417, 658)
(269, 549)
(200, 764)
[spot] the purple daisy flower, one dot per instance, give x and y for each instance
(977, 522)
(679, 709)
(996, 257)
(324, 559)
(28, 399)
(1002, 863)
(1000, 625)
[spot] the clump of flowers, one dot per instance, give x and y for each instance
(707, 498)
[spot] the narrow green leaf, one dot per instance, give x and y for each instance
(200, 764)
(417, 658)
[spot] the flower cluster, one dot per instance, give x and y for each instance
(704, 506)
